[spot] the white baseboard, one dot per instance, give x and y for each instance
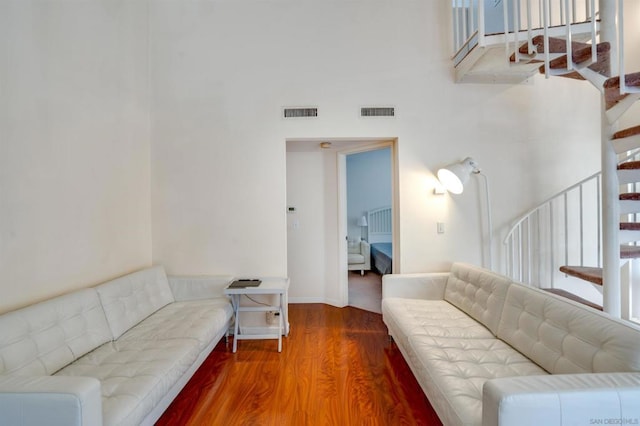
(331, 302)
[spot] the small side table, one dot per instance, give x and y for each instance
(268, 286)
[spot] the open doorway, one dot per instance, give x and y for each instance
(369, 225)
(317, 228)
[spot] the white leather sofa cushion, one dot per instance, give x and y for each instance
(478, 292)
(564, 337)
(135, 375)
(355, 258)
(573, 399)
(455, 370)
(50, 400)
(435, 318)
(428, 286)
(419, 317)
(42, 338)
(198, 287)
(130, 299)
(197, 319)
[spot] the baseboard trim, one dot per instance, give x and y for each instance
(331, 302)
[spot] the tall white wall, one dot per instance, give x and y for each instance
(222, 71)
(74, 146)
(147, 131)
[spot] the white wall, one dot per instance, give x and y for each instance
(222, 71)
(76, 97)
(74, 146)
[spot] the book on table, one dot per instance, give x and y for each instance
(245, 282)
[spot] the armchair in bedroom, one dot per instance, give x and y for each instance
(359, 256)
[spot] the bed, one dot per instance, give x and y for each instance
(380, 237)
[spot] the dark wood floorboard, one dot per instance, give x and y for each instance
(337, 367)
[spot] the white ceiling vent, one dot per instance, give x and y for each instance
(377, 112)
(307, 112)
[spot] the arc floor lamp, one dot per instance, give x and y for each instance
(454, 176)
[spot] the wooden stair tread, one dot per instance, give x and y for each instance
(611, 87)
(629, 252)
(630, 196)
(587, 273)
(631, 131)
(632, 80)
(556, 45)
(629, 165)
(573, 297)
(630, 226)
(581, 55)
(573, 74)
(593, 274)
(633, 226)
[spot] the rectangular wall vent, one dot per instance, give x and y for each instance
(299, 112)
(377, 112)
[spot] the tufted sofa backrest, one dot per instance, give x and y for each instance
(42, 338)
(478, 292)
(130, 299)
(564, 337)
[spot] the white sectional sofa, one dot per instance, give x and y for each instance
(488, 351)
(115, 354)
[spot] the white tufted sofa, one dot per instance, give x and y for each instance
(115, 354)
(488, 351)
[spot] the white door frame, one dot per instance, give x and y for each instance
(342, 210)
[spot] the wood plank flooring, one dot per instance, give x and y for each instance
(337, 367)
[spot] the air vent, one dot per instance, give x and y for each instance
(300, 112)
(377, 112)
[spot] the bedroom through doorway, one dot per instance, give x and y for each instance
(369, 220)
(318, 226)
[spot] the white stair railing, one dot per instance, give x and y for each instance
(524, 19)
(563, 230)
(517, 20)
(473, 19)
(468, 27)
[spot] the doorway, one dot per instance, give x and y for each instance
(317, 226)
(368, 210)
(369, 231)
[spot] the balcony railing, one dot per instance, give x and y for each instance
(516, 21)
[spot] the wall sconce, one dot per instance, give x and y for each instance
(453, 178)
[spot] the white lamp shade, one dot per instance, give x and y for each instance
(363, 221)
(455, 176)
(451, 181)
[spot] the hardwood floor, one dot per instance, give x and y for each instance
(337, 367)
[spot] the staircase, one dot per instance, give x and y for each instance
(582, 66)
(615, 244)
(481, 43)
